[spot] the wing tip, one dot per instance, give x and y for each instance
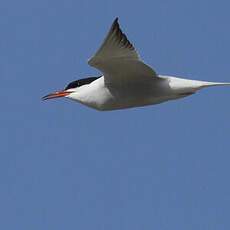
(115, 24)
(116, 20)
(122, 37)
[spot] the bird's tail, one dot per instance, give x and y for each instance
(209, 84)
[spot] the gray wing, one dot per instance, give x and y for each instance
(118, 60)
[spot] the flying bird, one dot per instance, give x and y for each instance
(126, 80)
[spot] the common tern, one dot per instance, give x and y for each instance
(126, 81)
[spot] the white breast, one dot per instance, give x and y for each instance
(95, 95)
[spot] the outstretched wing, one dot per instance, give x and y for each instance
(118, 60)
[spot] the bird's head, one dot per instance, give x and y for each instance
(71, 88)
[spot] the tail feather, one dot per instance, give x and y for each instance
(209, 84)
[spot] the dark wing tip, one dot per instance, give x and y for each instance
(116, 20)
(114, 25)
(121, 37)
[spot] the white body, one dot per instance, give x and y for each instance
(103, 97)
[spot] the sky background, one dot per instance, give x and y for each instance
(66, 166)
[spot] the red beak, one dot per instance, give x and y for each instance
(62, 93)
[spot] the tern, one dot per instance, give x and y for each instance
(126, 81)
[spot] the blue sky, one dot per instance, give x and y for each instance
(65, 166)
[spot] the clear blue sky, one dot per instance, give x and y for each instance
(65, 166)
